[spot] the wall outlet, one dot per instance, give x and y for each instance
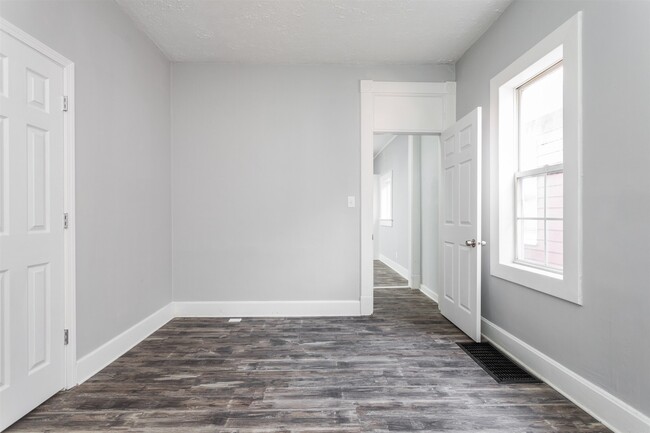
(352, 202)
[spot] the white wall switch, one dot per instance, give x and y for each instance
(351, 201)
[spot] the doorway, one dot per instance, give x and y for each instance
(416, 109)
(402, 109)
(405, 224)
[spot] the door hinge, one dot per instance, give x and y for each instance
(66, 220)
(66, 337)
(65, 103)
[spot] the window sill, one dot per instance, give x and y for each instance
(543, 281)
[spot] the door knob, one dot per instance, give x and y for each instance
(472, 243)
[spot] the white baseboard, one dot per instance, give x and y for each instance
(105, 354)
(611, 411)
(431, 294)
(395, 266)
(267, 309)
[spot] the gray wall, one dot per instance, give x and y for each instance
(430, 162)
(264, 158)
(606, 339)
(394, 240)
(123, 161)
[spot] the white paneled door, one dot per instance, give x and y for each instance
(31, 229)
(460, 225)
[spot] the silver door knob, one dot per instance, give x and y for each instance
(472, 243)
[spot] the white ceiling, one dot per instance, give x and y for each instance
(315, 31)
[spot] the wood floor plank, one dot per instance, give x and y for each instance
(384, 276)
(397, 371)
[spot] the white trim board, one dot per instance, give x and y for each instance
(394, 266)
(266, 309)
(429, 293)
(108, 352)
(606, 408)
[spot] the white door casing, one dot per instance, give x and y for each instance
(397, 108)
(32, 249)
(460, 224)
(415, 211)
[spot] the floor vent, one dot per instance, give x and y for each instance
(496, 364)
(234, 320)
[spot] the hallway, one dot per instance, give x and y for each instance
(387, 277)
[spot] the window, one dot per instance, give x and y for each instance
(539, 178)
(386, 199)
(536, 179)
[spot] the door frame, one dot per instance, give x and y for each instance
(69, 247)
(440, 98)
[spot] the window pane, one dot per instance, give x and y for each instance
(555, 195)
(531, 197)
(554, 244)
(530, 241)
(540, 120)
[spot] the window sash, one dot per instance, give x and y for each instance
(547, 169)
(518, 178)
(517, 103)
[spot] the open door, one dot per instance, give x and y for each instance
(460, 224)
(32, 287)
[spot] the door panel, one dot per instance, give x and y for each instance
(4, 328)
(460, 270)
(465, 210)
(38, 288)
(4, 171)
(37, 178)
(31, 229)
(449, 208)
(464, 277)
(448, 277)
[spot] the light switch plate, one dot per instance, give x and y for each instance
(351, 201)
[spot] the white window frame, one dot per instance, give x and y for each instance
(564, 44)
(386, 178)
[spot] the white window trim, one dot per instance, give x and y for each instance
(565, 44)
(386, 222)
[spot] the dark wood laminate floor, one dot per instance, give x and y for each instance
(385, 276)
(399, 370)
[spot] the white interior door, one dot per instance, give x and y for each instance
(460, 224)
(31, 229)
